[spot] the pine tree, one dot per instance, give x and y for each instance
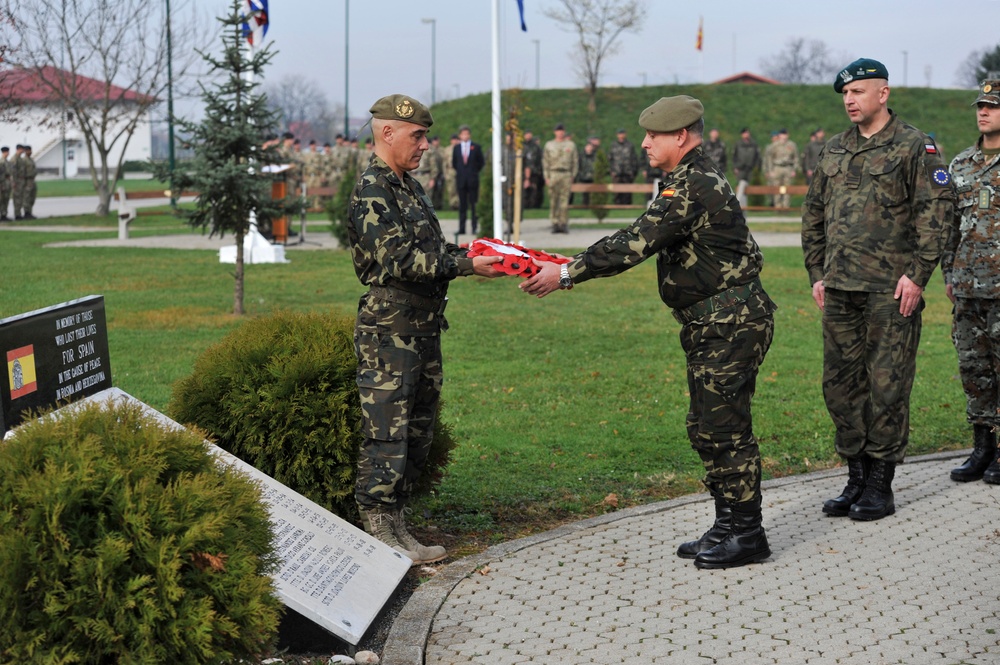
(227, 143)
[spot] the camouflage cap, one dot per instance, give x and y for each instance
(989, 92)
(671, 113)
(862, 68)
(401, 107)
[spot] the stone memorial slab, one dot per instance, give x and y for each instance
(53, 356)
(332, 573)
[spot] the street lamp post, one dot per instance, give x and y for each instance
(433, 23)
(458, 90)
(347, 69)
(537, 66)
(643, 75)
(170, 113)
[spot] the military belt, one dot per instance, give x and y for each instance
(728, 298)
(414, 300)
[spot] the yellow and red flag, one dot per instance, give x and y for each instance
(701, 35)
(21, 371)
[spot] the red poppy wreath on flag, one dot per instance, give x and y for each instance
(517, 260)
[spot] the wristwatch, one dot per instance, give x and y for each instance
(565, 281)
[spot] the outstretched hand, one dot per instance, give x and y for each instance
(543, 283)
(483, 266)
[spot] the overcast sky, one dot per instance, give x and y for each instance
(390, 48)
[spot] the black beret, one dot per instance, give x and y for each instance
(862, 68)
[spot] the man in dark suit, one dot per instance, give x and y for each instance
(467, 158)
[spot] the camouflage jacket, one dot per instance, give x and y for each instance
(971, 260)
(560, 157)
(396, 242)
(716, 151)
(532, 154)
(695, 228)
(781, 155)
(877, 209)
(622, 160)
(586, 171)
(746, 157)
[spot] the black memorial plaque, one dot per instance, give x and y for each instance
(53, 356)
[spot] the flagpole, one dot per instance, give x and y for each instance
(497, 128)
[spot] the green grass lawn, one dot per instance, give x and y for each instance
(84, 187)
(556, 403)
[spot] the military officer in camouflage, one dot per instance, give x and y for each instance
(781, 163)
(708, 268)
(401, 255)
(874, 225)
(6, 171)
(971, 267)
(559, 165)
(623, 164)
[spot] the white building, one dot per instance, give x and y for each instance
(33, 116)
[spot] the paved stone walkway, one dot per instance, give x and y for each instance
(917, 587)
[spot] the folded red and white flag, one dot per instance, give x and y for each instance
(517, 260)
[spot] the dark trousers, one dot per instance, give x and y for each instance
(623, 198)
(468, 195)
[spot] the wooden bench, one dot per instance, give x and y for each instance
(611, 188)
(771, 190)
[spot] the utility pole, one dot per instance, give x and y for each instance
(433, 23)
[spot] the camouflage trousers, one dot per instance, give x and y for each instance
(559, 185)
(5, 192)
(869, 362)
(781, 176)
(722, 364)
(399, 379)
(976, 334)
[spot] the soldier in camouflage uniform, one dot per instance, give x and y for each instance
(401, 255)
(971, 266)
(746, 157)
(559, 165)
(585, 171)
(623, 165)
(874, 225)
(6, 171)
(715, 148)
(429, 170)
(781, 163)
(708, 267)
(24, 187)
(437, 193)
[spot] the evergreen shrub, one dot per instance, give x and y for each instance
(280, 392)
(123, 541)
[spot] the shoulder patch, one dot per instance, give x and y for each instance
(668, 193)
(941, 177)
(930, 148)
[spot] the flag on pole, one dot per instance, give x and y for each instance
(701, 35)
(520, 9)
(255, 22)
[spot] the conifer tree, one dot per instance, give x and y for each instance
(227, 143)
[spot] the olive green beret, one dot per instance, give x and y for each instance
(671, 113)
(401, 107)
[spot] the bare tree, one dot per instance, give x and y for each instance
(102, 62)
(302, 107)
(803, 61)
(978, 66)
(597, 24)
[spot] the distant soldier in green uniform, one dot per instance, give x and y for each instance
(437, 193)
(534, 181)
(708, 271)
(715, 148)
(17, 180)
(559, 165)
(623, 165)
(781, 163)
(746, 158)
(810, 157)
(429, 170)
(450, 187)
(401, 255)
(6, 174)
(30, 187)
(971, 267)
(585, 172)
(874, 225)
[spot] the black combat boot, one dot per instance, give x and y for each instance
(984, 453)
(745, 543)
(992, 474)
(857, 475)
(877, 500)
(712, 537)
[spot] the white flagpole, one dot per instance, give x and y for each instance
(497, 128)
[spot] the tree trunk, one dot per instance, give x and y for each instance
(592, 98)
(103, 200)
(238, 286)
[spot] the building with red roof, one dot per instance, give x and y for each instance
(34, 114)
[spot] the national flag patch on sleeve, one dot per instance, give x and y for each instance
(931, 148)
(668, 193)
